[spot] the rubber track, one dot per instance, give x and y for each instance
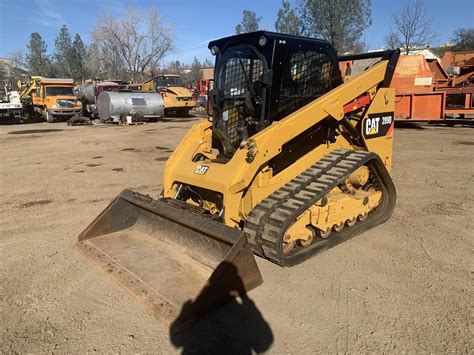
(267, 222)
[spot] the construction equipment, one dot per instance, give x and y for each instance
(10, 104)
(425, 92)
(461, 63)
(292, 162)
(177, 98)
(50, 98)
(202, 87)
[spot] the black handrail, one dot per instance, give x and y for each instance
(391, 55)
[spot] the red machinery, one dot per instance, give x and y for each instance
(427, 91)
(203, 86)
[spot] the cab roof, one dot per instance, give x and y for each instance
(253, 37)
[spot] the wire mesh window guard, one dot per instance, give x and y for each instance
(240, 72)
(307, 77)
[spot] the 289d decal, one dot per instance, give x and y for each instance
(377, 125)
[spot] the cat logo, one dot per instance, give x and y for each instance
(378, 125)
(201, 169)
(372, 126)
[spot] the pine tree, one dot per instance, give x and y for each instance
(37, 60)
(78, 59)
(250, 22)
(196, 70)
(63, 53)
(342, 22)
(287, 20)
(175, 67)
(207, 63)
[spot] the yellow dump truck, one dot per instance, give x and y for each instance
(177, 99)
(52, 98)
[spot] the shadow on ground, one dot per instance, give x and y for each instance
(236, 328)
(7, 121)
(412, 125)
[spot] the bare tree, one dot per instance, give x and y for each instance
(17, 68)
(133, 45)
(93, 65)
(463, 39)
(3, 73)
(412, 27)
(392, 40)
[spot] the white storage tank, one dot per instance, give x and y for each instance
(125, 106)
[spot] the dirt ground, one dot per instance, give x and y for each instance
(405, 286)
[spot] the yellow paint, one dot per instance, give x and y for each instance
(174, 97)
(243, 184)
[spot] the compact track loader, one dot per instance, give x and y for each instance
(291, 162)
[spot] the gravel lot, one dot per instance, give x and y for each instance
(405, 286)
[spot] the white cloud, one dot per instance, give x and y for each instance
(49, 15)
(201, 45)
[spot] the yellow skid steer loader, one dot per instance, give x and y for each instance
(292, 161)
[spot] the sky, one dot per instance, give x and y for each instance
(195, 22)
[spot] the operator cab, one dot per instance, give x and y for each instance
(261, 77)
(168, 81)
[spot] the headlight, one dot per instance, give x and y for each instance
(214, 50)
(262, 41)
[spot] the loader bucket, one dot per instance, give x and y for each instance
(176, 263)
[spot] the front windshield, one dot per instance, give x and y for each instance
(175, 81)
(59, 91)
(242, 68)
